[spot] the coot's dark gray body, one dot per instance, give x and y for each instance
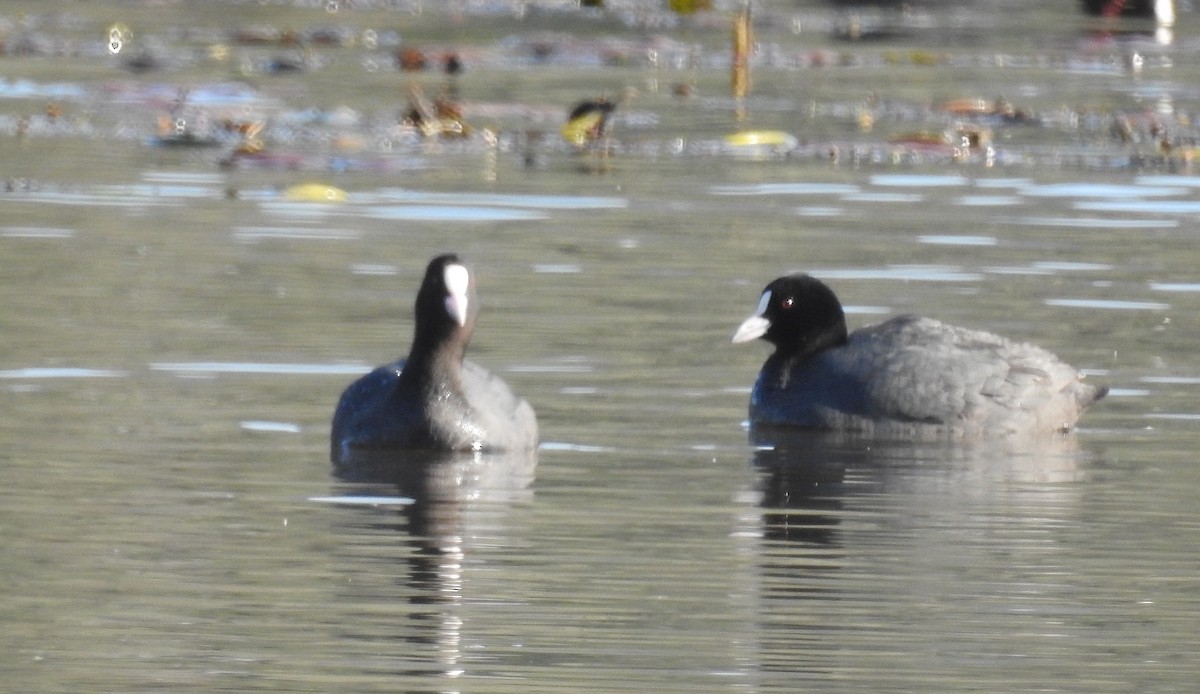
(435, 400)
(907, 376)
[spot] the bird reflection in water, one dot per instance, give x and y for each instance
(454, 497)
(807, 475)
(852, 527)
(801, 482)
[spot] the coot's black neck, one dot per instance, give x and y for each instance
(435, 368)
(779, 365)
(801, 348)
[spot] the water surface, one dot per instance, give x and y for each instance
(177, 330)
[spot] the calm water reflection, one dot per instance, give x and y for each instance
(176, 331)
(446, 505)
(892, 548)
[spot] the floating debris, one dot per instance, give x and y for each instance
(439, 117)
(999, 110)
(588, 121)
(263, 36)
(758, 144)
(184, 126)
(411, 60)
(690, 6)
(314, 192)
(957, 142)
(178, 134)
(742, 40)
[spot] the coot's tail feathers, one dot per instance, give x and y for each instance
(1085, 395)
(1094, 393)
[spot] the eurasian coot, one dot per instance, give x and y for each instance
(907, 376)
(434, 399)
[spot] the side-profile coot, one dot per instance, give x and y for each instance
(435, 400)
(907, 376)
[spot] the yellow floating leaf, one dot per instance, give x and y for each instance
(314, 192)
(759, 138)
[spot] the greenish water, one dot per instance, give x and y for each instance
(175, 335)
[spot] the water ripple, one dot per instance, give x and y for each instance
(1100, 190)
(441, 213)
(1091, 222)
(1070, 266)
(1111, 304)
(925, 273)
(557, 268)
(989, 200)
(786, 189)
(1175, 286)
(95, 199)
(363, 500)
(36, 233)
(61, 372)
(257, 234)
(883, 197)
(1142, 206)
(271, 427)
(952, 240)
(542, 202)
(374, 269)
(918, 180)
(1172, 380)
(236, 367)
(818, 211)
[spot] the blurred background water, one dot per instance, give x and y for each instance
(179, 317)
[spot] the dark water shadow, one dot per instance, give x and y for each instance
(805, 475)
(846, 521)
(415, 552)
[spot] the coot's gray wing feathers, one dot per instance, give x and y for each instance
(507, 421)
(905, 370)
(923, 370)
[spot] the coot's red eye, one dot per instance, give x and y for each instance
(787, 303)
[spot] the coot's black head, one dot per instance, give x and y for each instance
(446, 306)
(799, 315)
